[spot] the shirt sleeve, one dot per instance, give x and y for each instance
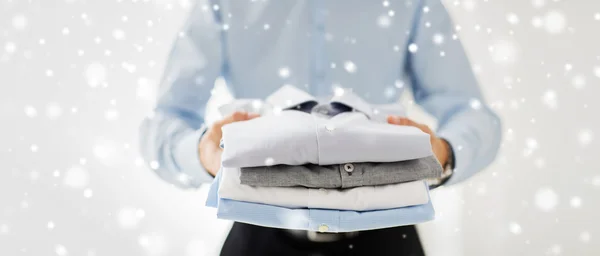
(169, 137)
(444, 85)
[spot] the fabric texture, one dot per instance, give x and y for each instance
(357, 199)
(245, 239)
(341, 175)
(311, 219)
(301, 138)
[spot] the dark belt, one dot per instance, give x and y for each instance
(314, 236)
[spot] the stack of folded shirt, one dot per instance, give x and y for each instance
(334, 167)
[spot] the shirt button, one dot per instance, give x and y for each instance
(323, 228)
(349, 167)
(329, 127)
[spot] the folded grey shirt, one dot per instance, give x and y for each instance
(341, 175)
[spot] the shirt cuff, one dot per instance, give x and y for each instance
(186, 157)
(463, 156)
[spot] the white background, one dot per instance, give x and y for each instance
(77, 76)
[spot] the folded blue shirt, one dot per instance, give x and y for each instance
(315, 219)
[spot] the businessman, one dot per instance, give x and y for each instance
(379, 49)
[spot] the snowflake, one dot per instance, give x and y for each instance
(585, 236)
(95, 74)
(153, 244)
(10, 47)
(111, 114)
(550, 100)
(338, 90)
(350, 66)
(87, 193)
(34, 175)
(399, 84)
(145, 89)
(469, 5)
(269, 161)
(546, 199)
(284, 72)
(130, 217)
(512, 18)
(413, 48)
(438, 39)
(30, 111)
(266, 27)
(154, 165)
(131, 68)
(389, 92)
(596, 181)
(514, 228)
(578, 81)
(503, 52)
(585, 137)
(50, 225)
(475, 104)
(384, 21)
(555, 250)
(104, 149)
(537, 22)
(597, 71)
(539, 163)
(4, 229)
(531, 143)
(76, 177)
(575, 202)
(555, 22)
(19, 22)
(118, 34)
(60, 250)
(53, 111)
(538, 3)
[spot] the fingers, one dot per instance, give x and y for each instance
(408, 122)
(235, 117)
(401, 121)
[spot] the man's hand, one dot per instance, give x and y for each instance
(439, 146)
(208, 148)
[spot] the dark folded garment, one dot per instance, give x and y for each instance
(347, 175)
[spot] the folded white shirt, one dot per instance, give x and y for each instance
(294, 137)
(356, 199)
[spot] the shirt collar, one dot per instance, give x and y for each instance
(347, 97)
(289, 96)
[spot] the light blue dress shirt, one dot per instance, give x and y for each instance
(376, 49)
(314, 219)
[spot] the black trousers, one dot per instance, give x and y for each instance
(245, 239)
